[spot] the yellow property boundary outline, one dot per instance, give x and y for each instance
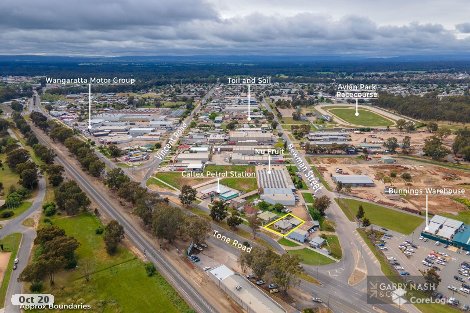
(281, 218)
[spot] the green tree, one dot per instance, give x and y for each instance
(360, 212)
(187, 195)
(365, 222)
(434, 148)
(322, 204)
(70, 198)
(114, 151)
(115, 178)
(29, 178)
(219, 211)
(113, 235)
(391, 144)
(167, 222)
(285, 270)
(234, 219)
(432, 127)
(339, 186)
(196, 228)
(254, 223)
(432, 278)
(401, 124)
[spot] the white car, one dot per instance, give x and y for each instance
(452, 288)
(437, 243)
(421, 237)
(391, 258)
(464, 290)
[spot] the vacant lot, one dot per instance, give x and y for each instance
(365, 118)
(335, 247)
(117, 283)
(381, 216)
(176, 179)
(241, 184)
(311, 257)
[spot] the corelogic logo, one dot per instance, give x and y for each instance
(380, 290)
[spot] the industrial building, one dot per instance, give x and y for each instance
(223, 192)
(448, 231)
(338, 137)
(237, 158)
(197, 156)
(276, 187)
(256, 138)
(354, 180)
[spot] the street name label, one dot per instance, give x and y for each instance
(232, 242)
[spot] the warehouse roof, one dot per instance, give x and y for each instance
(353, 179)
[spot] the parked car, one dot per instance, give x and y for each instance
(260, 282)
(318, 300)
(275, 290)
(273, 286)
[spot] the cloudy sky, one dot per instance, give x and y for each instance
(237, 27)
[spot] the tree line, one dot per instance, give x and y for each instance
(428, 106)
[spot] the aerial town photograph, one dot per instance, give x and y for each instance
(214, 156)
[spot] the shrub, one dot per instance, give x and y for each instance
(99, 230)
(49, 209)
(6, 214)
(36, 286)
(150, 269)
(406, 176)
(393, 174)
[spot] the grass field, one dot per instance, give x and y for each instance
(288, 243)
(365, 118)
(335, 247)
(463, 216)
(176, 180)
(7, 177)
(10, 243)
(381, 216)
(307, 197)
(241, 184)
(23, 207)
(154, 181)
(311, 257)
(118, 283)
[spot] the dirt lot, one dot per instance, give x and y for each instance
(422, 176)
(4, 258)
(417, 138)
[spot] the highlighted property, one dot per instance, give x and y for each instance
(284, 225)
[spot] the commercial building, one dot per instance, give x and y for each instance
(237, 158)
(238, 137)
(223, 192)
(337, 137)
(354, 180)
(140, 131)
(245, 293)
(276, 186)
(197, 156)
(448, 231)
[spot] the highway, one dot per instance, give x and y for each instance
(189, 293)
